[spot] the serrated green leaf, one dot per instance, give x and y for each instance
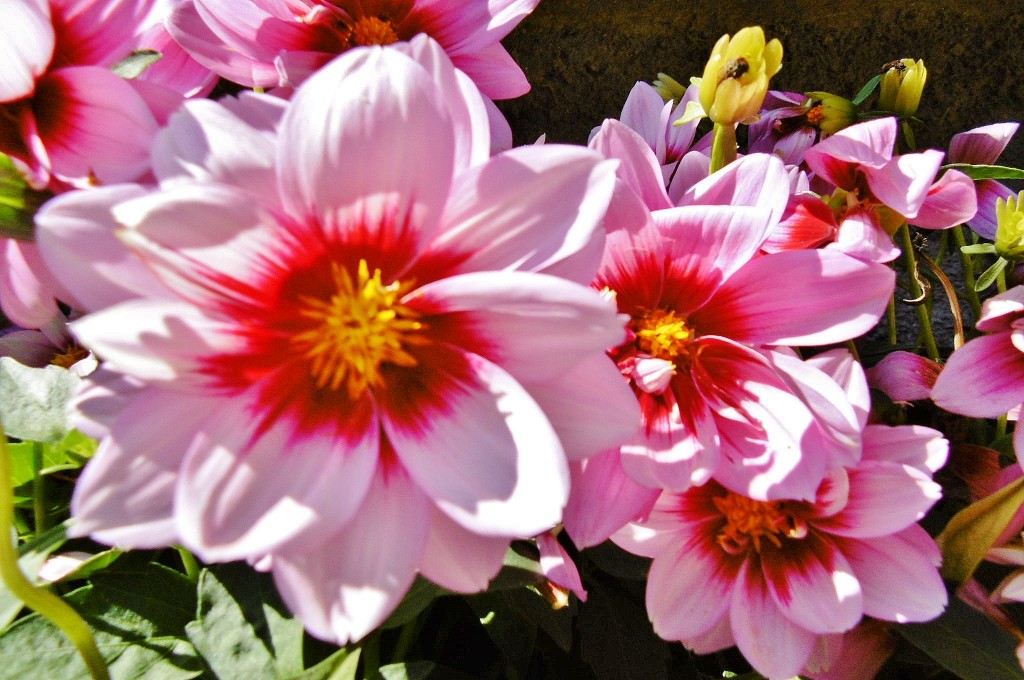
(33, 554)
(341, 665)
(974, 530)
(986, 171)
(866, 91)
(990, 275)
(243, 630)
(33, 401)
(136, 63)
(967, 643)
(137, 619)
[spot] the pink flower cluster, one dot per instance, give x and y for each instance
(348, 334)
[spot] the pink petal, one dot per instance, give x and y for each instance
(840, 365)
(125, 496)
(159, 340)
(458, 559)
(812, 584)
(466, 25)
(557, 566)
(884, 498)
(100, 399)
(903, 183)
(689, 588)
(861, 236)
(93, 123)
(904, 376)
(806, 223)
(367, 144)
(98, 32)
(638, 167)
(999, 312)
(869, 145)
(641, 113)
(247, 490)
(233, 141)
(950, 201)
(603, 499)
(175, 70)
(982, 145)
(757, 180)
(607, 417)
(774, 645)
(529, 208)
(494, 71)
(25, 297)
(30, 348)
(188, 28)
(985, 221)
(806, 297)
(77, 236)
(527, 320)
(669, 524)
(653, 375)
(348, 586)
(26, 47)
(919, 447)
(900, 582)
(982, 379)
(485, 453)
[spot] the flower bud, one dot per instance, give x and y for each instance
(830, 113)
(736, 77)
(1010, 229)
(902, 83)
(669, 88)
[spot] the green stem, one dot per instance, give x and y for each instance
(42, 601)
(917, 292)
(39, 489)
(1001, 426)
(188, 560)
(890, 317)
(968, 268)
(1001, 279)
(723, 146)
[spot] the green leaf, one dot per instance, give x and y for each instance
(967, 643)
(34, 400)
(513, 635)
(418, 670)
(420, 596)
(33, 555)
(138, 618)
(521, 568)
(974, 530)
(990, 275)
(243, 630)
(135, 63)
(18, 202)
(986, 171)
(341, 665)
(979, 249)
(866, 91)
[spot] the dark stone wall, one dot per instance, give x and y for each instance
(583, 56)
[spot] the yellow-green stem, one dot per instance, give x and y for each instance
(890, 317)
(42, 601)
(916, 292)
(968, 268)
(39, 489)
(723, 146)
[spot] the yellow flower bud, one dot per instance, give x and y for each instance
(1010, 227)
(830, 113)
(902, 83)
(736, 76)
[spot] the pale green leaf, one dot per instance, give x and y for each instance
(974, 530)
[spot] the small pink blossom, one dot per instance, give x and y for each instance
(355, 350)
(904, 376)
(774, 577)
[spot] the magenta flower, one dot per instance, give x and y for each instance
(982, 146)
(904, 376)
(67, 114)
(364, 354)
(702, 303)
(772, 577)
(985, 377)
(253, 41)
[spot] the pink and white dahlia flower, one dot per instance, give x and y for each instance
(362, 350)
(774, 577)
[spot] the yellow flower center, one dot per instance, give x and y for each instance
(69, 357)
(355, 331)
(748, 522)
(373, 31)
(663, 334)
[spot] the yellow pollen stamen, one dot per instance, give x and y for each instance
(69, 357)
(662, 334)
(358, 329)
(748, 521)
(373, 31)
